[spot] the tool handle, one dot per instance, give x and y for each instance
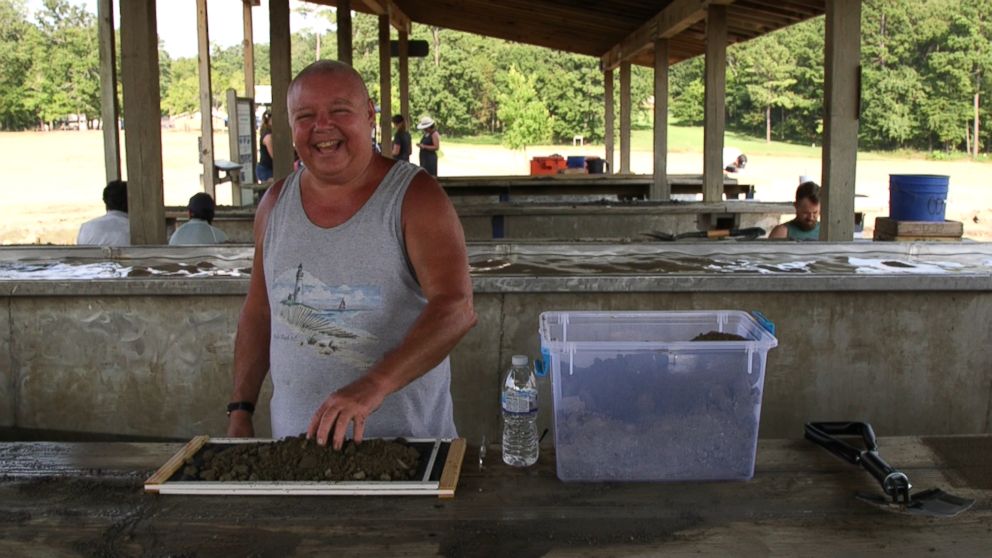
(820, 433)
(893, 482)
(658, 235)
(849, 428)
(747, 231)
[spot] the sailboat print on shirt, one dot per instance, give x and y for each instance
(325, 314)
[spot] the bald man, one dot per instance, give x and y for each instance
(359, 287)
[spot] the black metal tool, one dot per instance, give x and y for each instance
(658, 235)
(898, 490)
(748, 232)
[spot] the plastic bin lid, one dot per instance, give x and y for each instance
(764, 329)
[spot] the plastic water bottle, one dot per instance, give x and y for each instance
(519, 402)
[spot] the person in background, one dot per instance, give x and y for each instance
(113, 228)
(359, 284)
(429, 145)
(733, 159)
(199, 230)
(401, 140)
(263, 170)
(806, 225)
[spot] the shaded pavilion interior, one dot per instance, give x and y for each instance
(617, 32)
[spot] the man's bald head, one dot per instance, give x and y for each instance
(331, 67)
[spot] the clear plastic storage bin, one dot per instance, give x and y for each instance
(636, 399)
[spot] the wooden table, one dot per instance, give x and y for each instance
(632, 186)
(70, 499)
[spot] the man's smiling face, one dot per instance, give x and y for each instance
(332, 120)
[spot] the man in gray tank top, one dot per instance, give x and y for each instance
(359, 287)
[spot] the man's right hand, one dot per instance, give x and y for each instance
(239, 425)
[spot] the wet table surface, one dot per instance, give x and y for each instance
(86, 499)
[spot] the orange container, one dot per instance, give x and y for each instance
(546, 165)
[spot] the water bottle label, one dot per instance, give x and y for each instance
(522, 402)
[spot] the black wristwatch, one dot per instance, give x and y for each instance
(240, 406)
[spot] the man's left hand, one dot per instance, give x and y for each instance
(352, 403)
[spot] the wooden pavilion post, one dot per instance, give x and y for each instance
(344, 31)
(143, 122)
(206, 99)
(109, 111)
(660, 189)
(715, 102)
(841, 96)
(385, 87)
(625, 117)
(404, 44)
(608, 116)
(248, 47)
(281, 67)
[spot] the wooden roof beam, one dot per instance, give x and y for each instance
(676, 17)
(782, 8)
(397, 18)
(594, 16)
(631, 46)
(768, 19)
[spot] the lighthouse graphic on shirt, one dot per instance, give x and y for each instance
(324, 316)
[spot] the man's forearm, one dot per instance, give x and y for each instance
(251, 357)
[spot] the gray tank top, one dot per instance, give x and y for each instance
(341, 297)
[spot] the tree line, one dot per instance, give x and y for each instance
(926, 72)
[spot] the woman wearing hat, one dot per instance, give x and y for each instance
(429, 144)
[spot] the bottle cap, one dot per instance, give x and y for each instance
(520, 360)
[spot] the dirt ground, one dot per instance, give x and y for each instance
(55, 179)
(300, 459)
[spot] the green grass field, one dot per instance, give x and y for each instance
(681, 139)
(689, 139)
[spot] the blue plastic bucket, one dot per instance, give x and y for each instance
(576, 162)
(917, 197)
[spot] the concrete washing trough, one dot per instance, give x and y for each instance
(561, 221)
(138, 341)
